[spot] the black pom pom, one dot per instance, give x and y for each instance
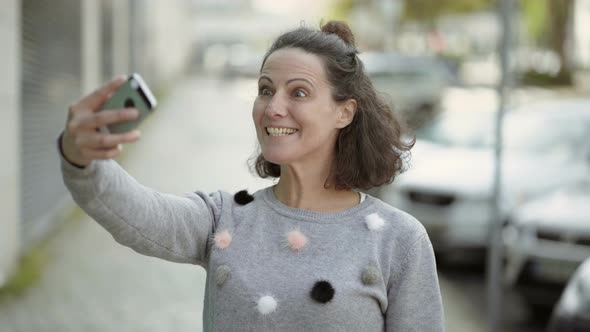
(322, 292)
(243, 198)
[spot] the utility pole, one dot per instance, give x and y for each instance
(494, 260)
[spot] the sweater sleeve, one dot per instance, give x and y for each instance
(414, 298)
(171, 227)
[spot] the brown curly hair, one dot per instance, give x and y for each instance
(370, 151)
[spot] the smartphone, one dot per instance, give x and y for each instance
(133, 94)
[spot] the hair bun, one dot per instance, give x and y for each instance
(341, 29)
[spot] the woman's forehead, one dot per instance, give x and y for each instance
(291, 63)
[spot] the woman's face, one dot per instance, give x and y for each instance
(294, 113)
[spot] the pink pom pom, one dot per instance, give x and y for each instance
(222, 239)
(296, 240)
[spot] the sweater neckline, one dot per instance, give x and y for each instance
(281, 208)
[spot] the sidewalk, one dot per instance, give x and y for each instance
(200, 138)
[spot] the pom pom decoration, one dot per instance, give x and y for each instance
(322, 292)
(222, 274)
(243, 198)
(374, 222)
(222, 239)
(296, 240)
(370, 275)
(266, 305)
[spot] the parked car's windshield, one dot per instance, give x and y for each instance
(523, 133)
(401, 68)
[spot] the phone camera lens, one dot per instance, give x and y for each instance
(129, 103)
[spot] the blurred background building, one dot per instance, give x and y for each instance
(55, 51)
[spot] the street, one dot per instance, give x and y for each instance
(199, 138)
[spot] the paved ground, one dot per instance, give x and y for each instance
(200, 138)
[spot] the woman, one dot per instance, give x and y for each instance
(311, 252)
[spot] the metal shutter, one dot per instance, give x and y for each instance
(107, 40)
(51, 80)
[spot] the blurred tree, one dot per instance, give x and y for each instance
(546, 20)
(547, 23)
(428, 11)
(558, 20)
(534, 14)
(418, 10)
(340, 9)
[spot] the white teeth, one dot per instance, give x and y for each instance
(272, 131)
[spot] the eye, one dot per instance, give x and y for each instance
(264, 91)
(299, 93)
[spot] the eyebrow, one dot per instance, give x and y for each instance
(289, 81)
(265, 77)
(301, 79)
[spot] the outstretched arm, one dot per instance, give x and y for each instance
(171, 227)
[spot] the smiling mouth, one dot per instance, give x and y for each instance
(274, 131)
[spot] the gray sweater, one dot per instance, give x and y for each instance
(271, 267)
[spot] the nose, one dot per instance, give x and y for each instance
(276, 107)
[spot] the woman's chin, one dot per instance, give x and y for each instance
(276, 157)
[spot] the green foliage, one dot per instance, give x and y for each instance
(31, 266)
(340, 10)
(547, 25)
(419, 10)
(535, 16)
(563, 78)
(28, 274)
(429, 10)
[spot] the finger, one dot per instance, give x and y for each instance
(106, 141)
(94, 154)
(97, 120)
(97, 98)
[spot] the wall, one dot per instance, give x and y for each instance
(9, 136)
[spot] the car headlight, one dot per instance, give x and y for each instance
(509, 201)
(517, 233)
(510, 235)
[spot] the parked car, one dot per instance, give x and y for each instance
(228, 57)
(449, 185)
(572, 313)
(545, 241)
(246, 63)
(414, 84)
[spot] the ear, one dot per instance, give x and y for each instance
(346, 113)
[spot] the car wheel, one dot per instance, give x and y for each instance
(539, 312)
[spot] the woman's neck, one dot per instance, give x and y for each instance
(306, 190)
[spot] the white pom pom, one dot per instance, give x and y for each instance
(267, 304)
(374, 222)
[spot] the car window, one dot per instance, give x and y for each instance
(400, 75)
(461, 129)
(522, 133)
(581, 187)
(545, 135)
(403, 67)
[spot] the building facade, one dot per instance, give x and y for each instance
(55, 51)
